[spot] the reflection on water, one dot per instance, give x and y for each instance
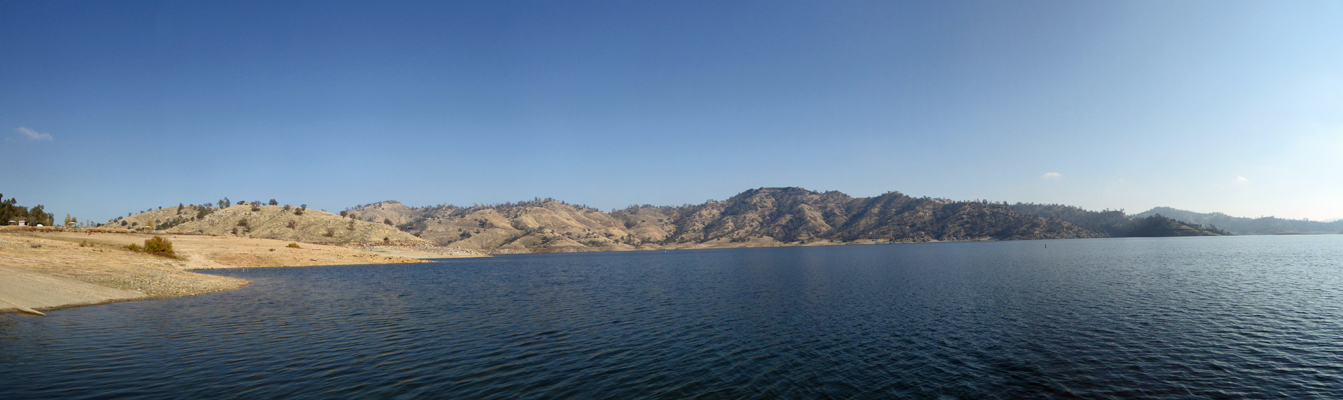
(1154, 318)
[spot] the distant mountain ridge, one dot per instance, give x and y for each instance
(1159, 226)
(1248, 226)
(756, 217)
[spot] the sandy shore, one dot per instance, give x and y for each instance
(51, 269)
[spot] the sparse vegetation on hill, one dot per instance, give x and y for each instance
(757, 217)
(754, 218)
(1159, 226)
(1116, 224)
(1109, 222)
(271, 222)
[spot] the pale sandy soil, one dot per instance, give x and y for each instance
(64, 266)
(23, 290)
(419, 251)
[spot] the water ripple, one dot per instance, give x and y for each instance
(1238, 317)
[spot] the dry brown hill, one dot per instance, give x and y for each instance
(757, 217)
(544, 225)
(391, 210)
(270, 222)
(913, 219)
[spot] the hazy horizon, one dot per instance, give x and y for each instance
(1232, 107)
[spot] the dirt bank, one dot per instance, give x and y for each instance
(45, 269)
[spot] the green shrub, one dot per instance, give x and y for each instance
(158, 245)
(133, 247)
(293, 246)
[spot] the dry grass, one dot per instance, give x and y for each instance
(102, 258)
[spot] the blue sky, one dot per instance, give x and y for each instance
(115, 107)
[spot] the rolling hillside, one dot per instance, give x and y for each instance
(270, 222)
(757, 217)
(1114, 223)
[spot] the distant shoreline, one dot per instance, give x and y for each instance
(826, 243)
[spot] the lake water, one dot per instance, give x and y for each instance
(1213, 317)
